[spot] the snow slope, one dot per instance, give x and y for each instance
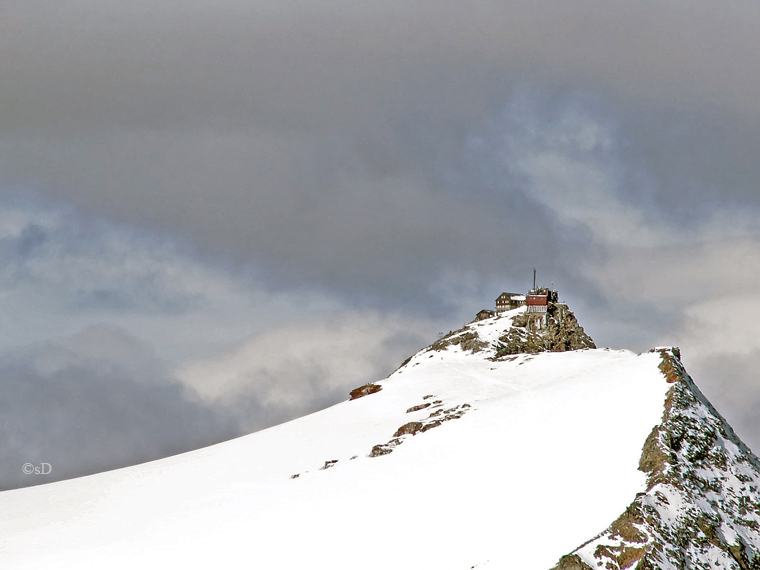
(539, 454)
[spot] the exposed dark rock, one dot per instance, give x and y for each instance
(379, 450)
(653, 458)
(435, 419)
(668, 366)
(418, 408)
(384, 448)
(408, 429)
(571, 562)
(431, 425)
(365, 390)
(468, 341)
(557, 331)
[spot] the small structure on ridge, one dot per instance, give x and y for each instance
(509, 301)
(485, 314)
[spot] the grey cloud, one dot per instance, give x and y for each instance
(87, 271)
(144, 297)
(299, 139)
(180, 63)
(103, 349)
(96, 402)
(298, 368)
(30, 239)
(385, 235)
(689, 162)
(86, 265)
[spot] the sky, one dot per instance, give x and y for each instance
(217, 216)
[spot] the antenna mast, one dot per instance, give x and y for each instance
(534, 279)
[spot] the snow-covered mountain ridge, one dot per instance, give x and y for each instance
(467, 456)
(701, 507)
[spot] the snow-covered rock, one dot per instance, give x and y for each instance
(701, 505)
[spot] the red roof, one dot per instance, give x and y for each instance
(533, 300)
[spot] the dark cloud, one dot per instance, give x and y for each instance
(327, 145)
(688, 163)
(99, 401)
(31, 238)
(86, 265)
(145, 297)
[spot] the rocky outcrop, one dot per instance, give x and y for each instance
(557, 331)
(418, 408)
(328, 464)
(365, 390)
(434, 420)
(410, 428)
(571, 562)
(701, 508)
(468, 341)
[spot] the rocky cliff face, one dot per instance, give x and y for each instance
(701, 508)
(521, 333)
(559, 332)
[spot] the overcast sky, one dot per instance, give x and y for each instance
(216, 216)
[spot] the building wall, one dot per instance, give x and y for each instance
(507, 303)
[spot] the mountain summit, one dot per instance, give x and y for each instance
(504, 444)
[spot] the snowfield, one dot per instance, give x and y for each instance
(540, 455)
